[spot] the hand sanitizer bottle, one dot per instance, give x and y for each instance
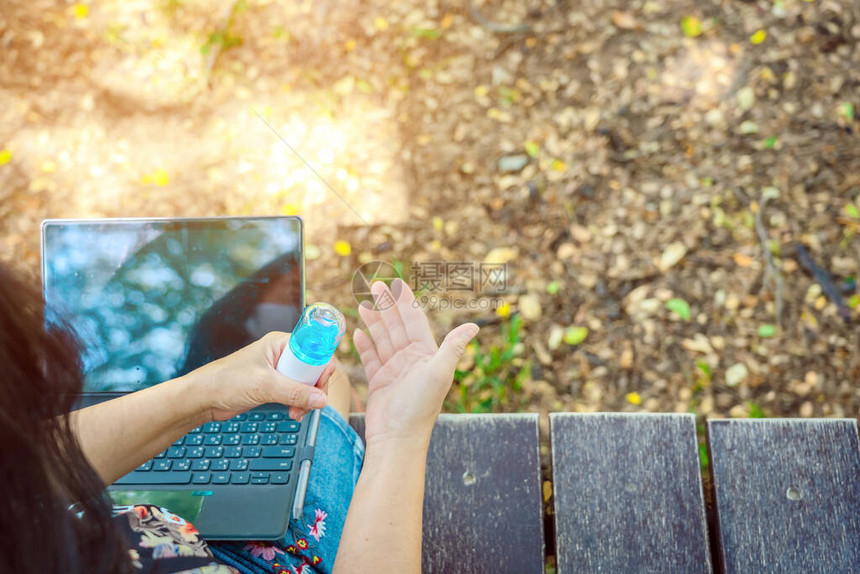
(312, 343)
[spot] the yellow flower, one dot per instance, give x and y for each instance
(159, 178)
(634, 398)
(504, 310)
(758, 37)
(342, 248)
(5, 156)
(81, 10)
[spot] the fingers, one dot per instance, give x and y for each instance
(325, 378)
(298, 413)
(274, 343)
(386, 302)
(454, 345)
(414, 320)
(294, 394)
(367, 353)
(378, 331)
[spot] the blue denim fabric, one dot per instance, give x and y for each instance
(338, 457)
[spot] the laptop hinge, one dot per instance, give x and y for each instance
(304, 453)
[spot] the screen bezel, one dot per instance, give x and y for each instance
(47, 223)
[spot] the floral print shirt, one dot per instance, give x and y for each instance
(163, 542)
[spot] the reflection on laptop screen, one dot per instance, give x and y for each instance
(151, 300)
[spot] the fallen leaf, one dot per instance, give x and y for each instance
(529, 306)
(575, 335)
(698, 344)
(501, 255)
(691, 26)
(312, 252)
(742, 260)
(746, 98)
(513, 163)
(672, 254)
(624, 20)
(532, 148)
(852, 211)
(556, 335)
(735, 374)
(748, 127)
(558, 165)
(626, 358)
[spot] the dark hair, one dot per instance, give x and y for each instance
(54, 517)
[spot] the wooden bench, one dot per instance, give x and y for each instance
(627, 495)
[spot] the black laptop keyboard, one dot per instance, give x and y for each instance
(252, 448)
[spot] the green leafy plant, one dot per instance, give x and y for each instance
(221, 39)
(486, 386)
(680, 308)
(224, 38)
(701, 380)
(703, 377)
(766, 331)
(755, 410)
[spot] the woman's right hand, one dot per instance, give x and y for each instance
(408, 374)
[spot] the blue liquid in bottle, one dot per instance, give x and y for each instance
(317, 334)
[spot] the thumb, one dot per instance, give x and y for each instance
(454, 345)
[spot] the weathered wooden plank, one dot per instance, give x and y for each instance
(482, 503)
(787, 494)
(628, 494)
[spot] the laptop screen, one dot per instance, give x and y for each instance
(151, 300)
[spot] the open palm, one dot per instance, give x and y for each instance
(408, 374)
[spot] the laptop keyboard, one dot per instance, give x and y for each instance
(251, 448)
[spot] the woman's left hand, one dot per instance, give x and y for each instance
(248, 378)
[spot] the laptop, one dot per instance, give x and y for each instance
(153, 299)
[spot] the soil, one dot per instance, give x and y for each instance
(673, 186)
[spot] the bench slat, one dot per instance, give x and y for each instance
(483, 510)
(628, 494)
(787, 494)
